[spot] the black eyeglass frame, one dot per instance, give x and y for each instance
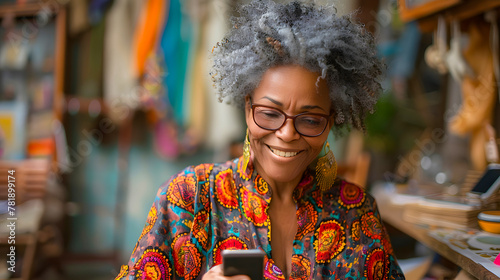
(327, 117)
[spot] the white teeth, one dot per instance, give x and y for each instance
(283, 154)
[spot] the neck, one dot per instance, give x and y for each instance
(282, 191)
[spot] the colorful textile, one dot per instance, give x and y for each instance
(146, 35)
(175, 44)
(97, 10)
(120, 89)
(211, 207)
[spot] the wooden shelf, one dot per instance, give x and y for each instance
(32, 175)
(427, 14)
(56, 9)
(459, 13)
(393, 215)
(425, 9)
(28, 9)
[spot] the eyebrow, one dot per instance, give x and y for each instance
(305, 107)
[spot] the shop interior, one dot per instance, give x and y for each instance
(102, 101)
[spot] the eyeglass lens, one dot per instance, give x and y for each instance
(305, 124)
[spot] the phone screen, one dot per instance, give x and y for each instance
(244, 262)
(489, 182)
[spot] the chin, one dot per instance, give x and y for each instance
(283, 172)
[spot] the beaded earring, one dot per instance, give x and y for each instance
(326, 170)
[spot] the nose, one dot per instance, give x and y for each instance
(287, 132)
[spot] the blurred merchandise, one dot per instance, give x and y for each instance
(13, 123)
(474, 117)
(489, 221)
(41, 147)
(479, 246)
(441, 214)
(2, 142)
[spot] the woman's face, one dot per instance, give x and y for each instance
(292, 89)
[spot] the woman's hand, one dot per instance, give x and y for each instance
(216, 273)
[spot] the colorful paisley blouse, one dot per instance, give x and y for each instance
(211, 207)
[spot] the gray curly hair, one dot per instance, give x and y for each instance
(268, 34)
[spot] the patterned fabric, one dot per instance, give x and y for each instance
(212, 207)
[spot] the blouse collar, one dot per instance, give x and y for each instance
(255, 183)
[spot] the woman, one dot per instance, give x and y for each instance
(297, 70)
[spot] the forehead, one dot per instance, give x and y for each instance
(293, 83)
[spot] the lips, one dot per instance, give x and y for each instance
(283, 153)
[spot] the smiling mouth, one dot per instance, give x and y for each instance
(282, 153)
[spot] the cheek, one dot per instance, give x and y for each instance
(256, 133)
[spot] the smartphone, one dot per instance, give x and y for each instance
(244, 262)
(488, 184)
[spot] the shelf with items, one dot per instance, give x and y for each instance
(416, 9)
(464, 51)
(25, 9)
(427, 12)
(393, 214)
(32, 55)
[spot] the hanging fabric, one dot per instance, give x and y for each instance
(77, 21)
(479, 96)
(97, 9)
(435, 55)
(196, 119)
(455, 61)
(172, 54)
(175, 45)
(225, 123)
(195, 105)
(94, 72)
(146, 35)
(121, 92)
(491, 16)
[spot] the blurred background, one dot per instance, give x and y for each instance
(101, 101)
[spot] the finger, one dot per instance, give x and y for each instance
(214, 273)
(217, 273)
(238, 277)
(217, 269)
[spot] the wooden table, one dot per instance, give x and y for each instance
(393, 214)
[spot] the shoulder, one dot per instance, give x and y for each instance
(225, 166)
(182, 188)
(186, 183)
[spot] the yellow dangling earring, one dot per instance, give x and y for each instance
(326, 170)
(246, 152)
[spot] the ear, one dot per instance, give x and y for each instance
(331, 122)
(331, 119)
(248, 109)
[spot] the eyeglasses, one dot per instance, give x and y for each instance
(306, 124)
